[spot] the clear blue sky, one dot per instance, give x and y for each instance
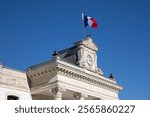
(30, 30)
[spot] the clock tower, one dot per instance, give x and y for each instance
(87, 56)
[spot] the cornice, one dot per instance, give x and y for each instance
(83, 71)
(80, 89)
(89, 80)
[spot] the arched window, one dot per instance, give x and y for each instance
(12, 97)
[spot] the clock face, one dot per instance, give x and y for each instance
(89, 60)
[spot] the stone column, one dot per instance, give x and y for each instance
(57, 93)
(81, 98)
(58, 96)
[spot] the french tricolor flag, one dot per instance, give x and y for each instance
(89, 21)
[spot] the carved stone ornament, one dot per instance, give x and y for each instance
(88, 43)
(80, 96)
(57, 89)
(80, 63)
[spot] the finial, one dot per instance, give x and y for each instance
(28, 69)
(55, 55)
(111, 77)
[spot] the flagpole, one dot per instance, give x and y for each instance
(84, 31)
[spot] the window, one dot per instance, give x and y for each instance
(12, 97)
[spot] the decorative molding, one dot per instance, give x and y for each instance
(96, 82)
(88, 43)
(57, 92)
(78, 89)
(57, 89)
(41, 73)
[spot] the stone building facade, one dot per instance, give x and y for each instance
(13, 84)
(71, 74)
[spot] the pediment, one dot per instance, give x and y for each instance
(88, 42)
